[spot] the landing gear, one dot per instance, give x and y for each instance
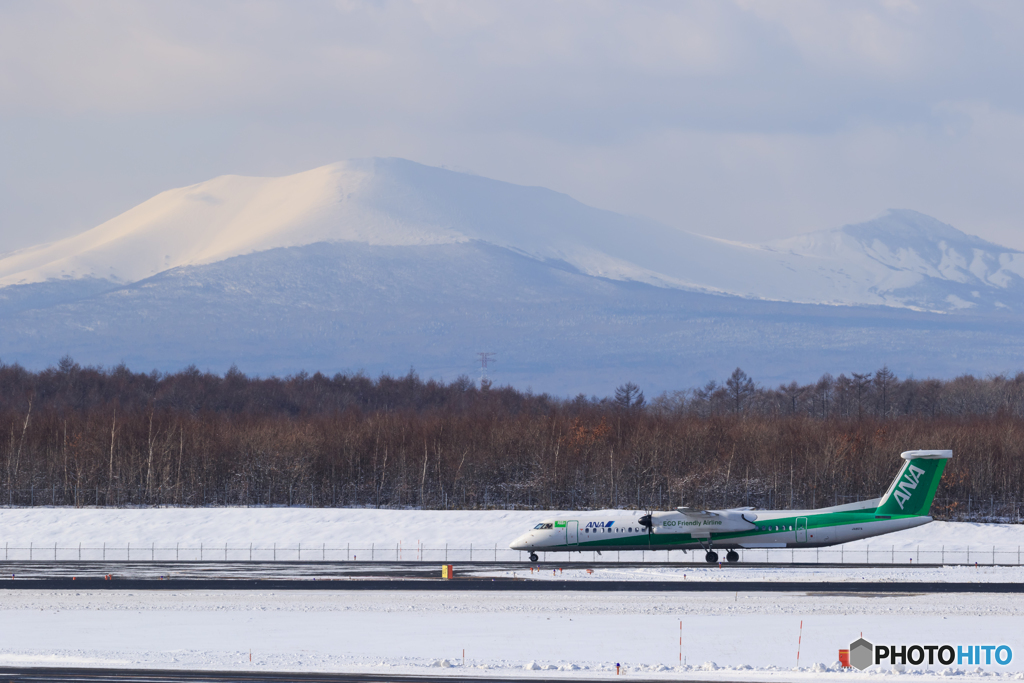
(711, 557)
(733, 556)
(533, 557)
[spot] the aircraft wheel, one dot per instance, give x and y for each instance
(533, 557)
(711, 557)
(733, 556)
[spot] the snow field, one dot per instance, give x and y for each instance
(342, 534)
(361, 527)
(726, 636)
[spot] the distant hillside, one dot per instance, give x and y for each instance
(383, 264)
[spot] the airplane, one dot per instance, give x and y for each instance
(906, 504)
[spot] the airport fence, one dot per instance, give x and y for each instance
(873, 555)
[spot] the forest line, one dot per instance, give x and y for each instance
(93, 436)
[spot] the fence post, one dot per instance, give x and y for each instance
(200, 552)
(324, 556)
(30, 550)
(55, 551)
(470, 552)
(129, 551)
(104, 550)
(152, 552)
(175, 552)
(79, 551)
(250, 552)
(968, 554)
(300, 552)
(225, 552)
(371, 552)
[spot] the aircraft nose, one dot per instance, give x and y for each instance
(521, 543)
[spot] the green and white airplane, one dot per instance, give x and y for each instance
(906, 504)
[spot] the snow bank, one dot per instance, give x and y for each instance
(359, 527)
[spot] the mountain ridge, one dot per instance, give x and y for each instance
(902, 258)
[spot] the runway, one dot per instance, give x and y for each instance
(62, 675)
(505, 584)
(209, 569)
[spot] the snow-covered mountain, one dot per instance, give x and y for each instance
(903, 259)
(383, 264)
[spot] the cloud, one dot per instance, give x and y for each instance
(748, 119)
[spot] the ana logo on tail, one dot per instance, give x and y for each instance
(910, 481)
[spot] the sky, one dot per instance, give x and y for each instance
(744, 120)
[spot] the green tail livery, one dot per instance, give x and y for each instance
(906, 504)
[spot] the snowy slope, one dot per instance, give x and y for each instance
(908, 259)
(902, 259)
(350, 306)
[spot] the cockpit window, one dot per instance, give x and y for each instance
(545, 525)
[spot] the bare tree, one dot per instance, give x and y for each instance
(740, 388)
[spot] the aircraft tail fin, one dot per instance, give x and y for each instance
(913, 489)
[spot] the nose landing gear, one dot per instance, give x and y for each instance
(533, 557)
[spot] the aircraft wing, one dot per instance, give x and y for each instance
(741, 515)
(696, 514)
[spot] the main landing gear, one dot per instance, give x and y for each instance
(731, 556)
(533, 557)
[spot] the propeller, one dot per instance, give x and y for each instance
(647, 521)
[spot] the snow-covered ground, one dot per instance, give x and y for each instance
(725, 636)
(345, 534)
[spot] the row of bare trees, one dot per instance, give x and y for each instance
(91, 436)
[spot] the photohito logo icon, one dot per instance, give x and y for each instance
(862, 654)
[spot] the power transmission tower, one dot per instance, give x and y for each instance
(485, 358)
